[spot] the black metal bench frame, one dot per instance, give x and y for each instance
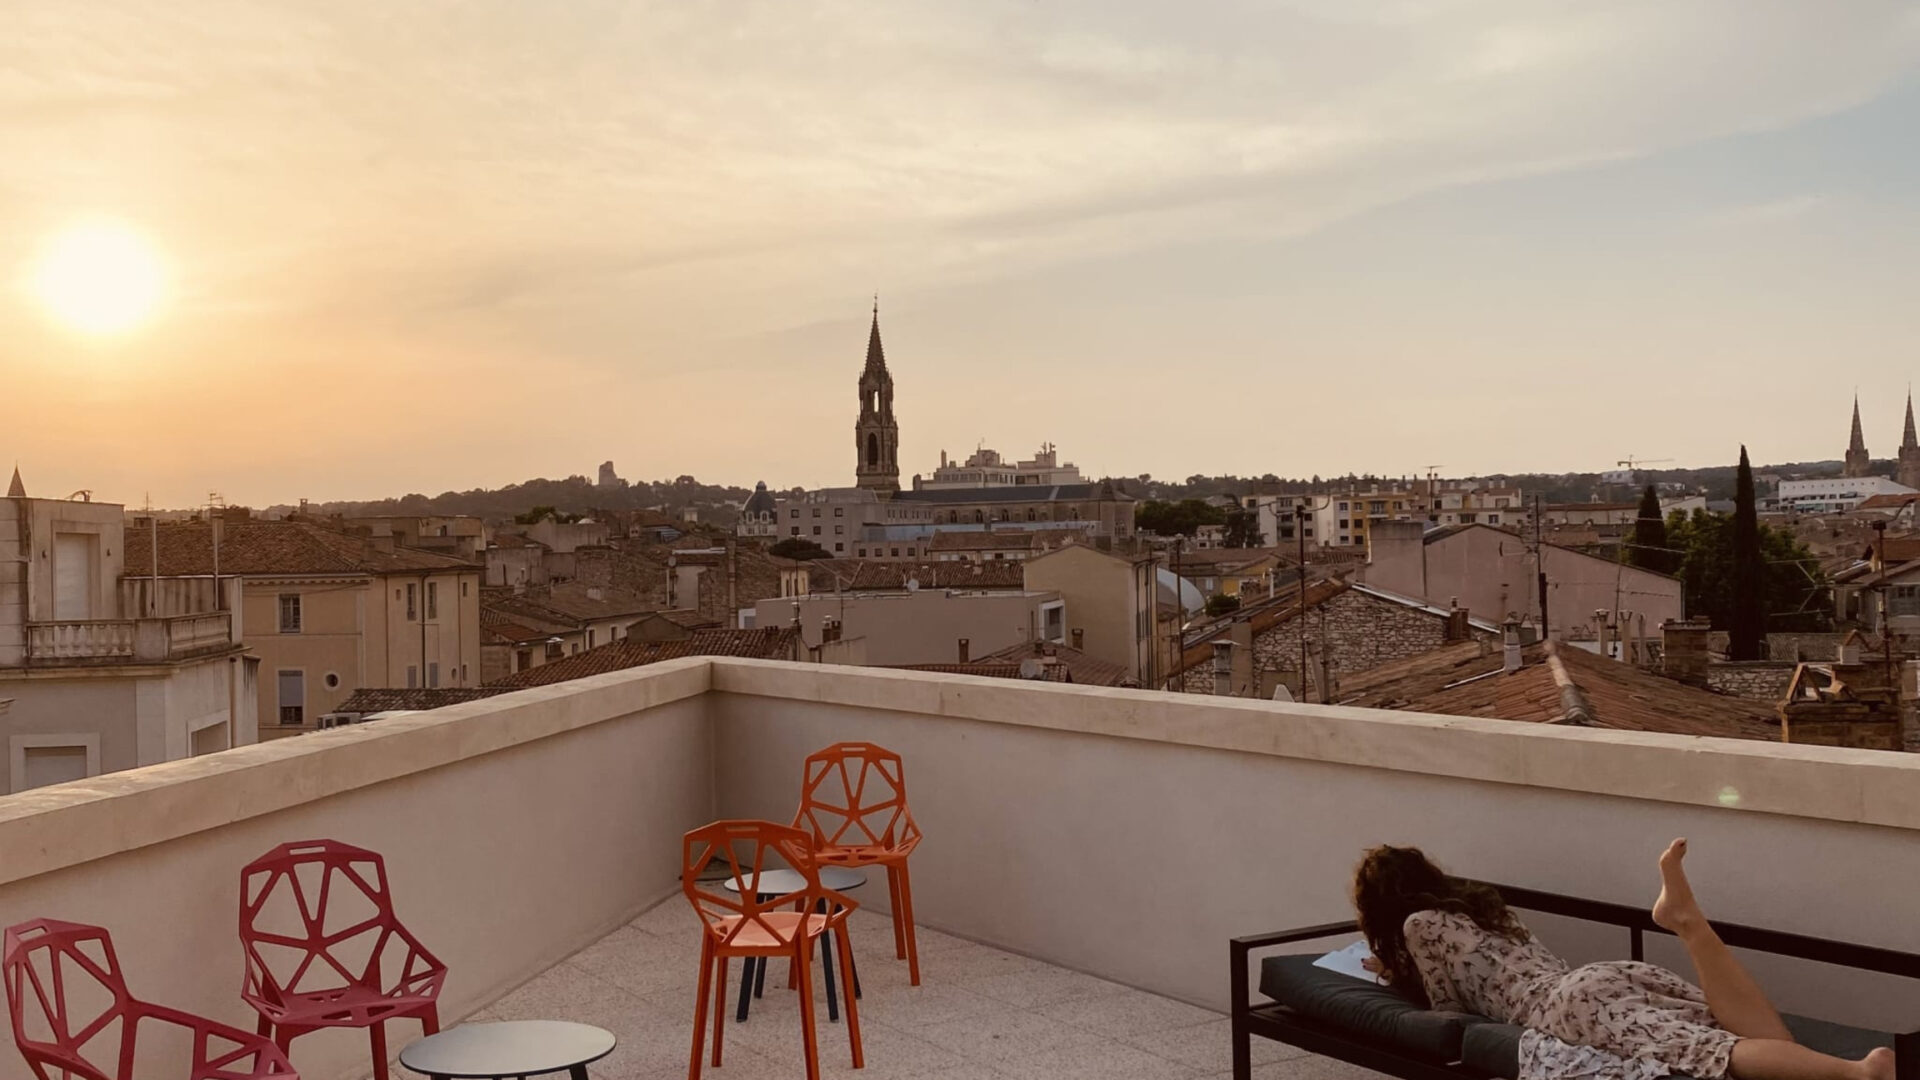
(1277, 1022)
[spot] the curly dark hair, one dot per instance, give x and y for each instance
(1393, 883)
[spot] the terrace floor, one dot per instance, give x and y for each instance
(978, 1014)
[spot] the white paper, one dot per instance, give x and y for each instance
(1348, 961)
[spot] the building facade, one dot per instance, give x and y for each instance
(986, 468)
(326, 612)
(98, 681)
(1833, 494)
(1112, 603)
(924, 626)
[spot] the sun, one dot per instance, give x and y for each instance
(100, 277)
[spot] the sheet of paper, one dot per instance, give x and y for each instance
(1348, 961)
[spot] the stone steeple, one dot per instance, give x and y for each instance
(1857, 460)
(16, 490)
(1908, 472)
(876, 437)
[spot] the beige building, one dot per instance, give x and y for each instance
(97, 682)
(459, 536)
(1113, 603)
(986, 468)
(1108, 511)
(326, 612)
(1346, 518)
(1495, 574)
(925, 626)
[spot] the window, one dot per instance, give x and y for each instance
(1466, 519)
(1903, 600)
(1343, 523)
(839, 511)
(331, 680)
(463, 673)
(1053, 623)
(838, 546)
(289, 613)
(1493, 519)
(816, 530)
(293, 697)
(1030, 513)
(433, 599)
(1377, 506)
(463, 590)
(589, 637)
(896, 553)
(839, 530)
(795, 512)
(413, 676)
(554, 650)
(796, 530)
(862, 553)
(433, 673)
(1343, 508)
(816, 511)
(522, 659)
(413, 601)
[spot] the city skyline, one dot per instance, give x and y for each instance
(405, 251)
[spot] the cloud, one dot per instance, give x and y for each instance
(1772, 210)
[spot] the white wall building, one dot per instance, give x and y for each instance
(1834, 493)
(986, 468)
(96, 684)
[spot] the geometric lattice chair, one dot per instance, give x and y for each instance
(73, 1017)
(853, 801)
(744, 922)
(324, 949)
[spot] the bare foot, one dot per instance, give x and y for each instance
(1878, 1065)
(1676, 909)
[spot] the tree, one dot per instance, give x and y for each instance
(1649, 550)
(1220, 604)
(1183, 518)
(1243, 528)
(795, 547)
(1747, 621)
(1793, 590)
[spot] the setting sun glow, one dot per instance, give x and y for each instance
(100, 278)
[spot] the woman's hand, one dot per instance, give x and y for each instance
(1372, 963)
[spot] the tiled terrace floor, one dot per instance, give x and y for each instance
(978, 1014)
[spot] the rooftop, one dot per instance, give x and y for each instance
(271, 547)
(533, 841)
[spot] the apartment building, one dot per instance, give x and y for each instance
(1345, 519)
(96, 681)
(327, 612)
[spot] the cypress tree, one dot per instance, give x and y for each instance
(1747, 626)
(1650, 536)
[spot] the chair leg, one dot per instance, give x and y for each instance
(377, 1034)
(747, 968)
(700, 1006)
(893, 907)
(853, 1008)
(906, 924)
(430, 1020)
(719, 1005)
(809, 1039)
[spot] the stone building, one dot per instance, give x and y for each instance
(1857, 460)
(876, 435)
(1348, 628)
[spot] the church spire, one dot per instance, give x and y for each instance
(16, 490)
(1908, 441)
(876, 356)
(1857, 460)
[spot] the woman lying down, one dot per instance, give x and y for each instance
(1451, 945)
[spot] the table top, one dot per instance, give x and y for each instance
(507, 1048)
(775, 882)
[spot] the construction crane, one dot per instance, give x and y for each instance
(1634, 463)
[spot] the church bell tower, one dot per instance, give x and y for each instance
(876, 437)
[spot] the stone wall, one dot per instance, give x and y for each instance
(1755, 680)
(1358, 631)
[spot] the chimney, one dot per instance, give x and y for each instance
(1510, 639)
(963, 649)
(1683, 647)
(1458, 628)
(1223, 667)
(1079, 638)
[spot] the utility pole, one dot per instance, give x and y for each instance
(1540, 565)
(1300, 531)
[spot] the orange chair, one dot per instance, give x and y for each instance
(749, 923)
(854, 802)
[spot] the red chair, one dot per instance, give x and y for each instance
(752, 924)
(62, 1036)
(325, 950)
(853, 800)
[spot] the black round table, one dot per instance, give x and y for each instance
(771, 883)
(509, 1048)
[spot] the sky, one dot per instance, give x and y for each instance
(431, 246)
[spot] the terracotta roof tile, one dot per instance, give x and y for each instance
(873, 575)
(270, 548)
(767, 643)
(417, 698)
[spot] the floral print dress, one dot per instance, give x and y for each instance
(1616, 1020)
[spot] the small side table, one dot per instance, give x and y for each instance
(509, 1049)
(770, 883)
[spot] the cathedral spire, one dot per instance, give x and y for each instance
(1908, 441)
(16, 490)
(1857, 460)
(876, 356)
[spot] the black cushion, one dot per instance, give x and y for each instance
(1495, 1048)
(1364, 1008)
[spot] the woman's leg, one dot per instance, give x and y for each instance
(1772, 1059)
(1732, 995)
